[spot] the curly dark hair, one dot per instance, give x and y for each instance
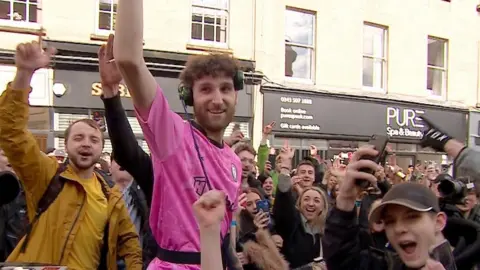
(214, 65)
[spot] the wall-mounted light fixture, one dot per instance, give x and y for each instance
(59, 89)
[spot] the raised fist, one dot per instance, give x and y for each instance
(30, 56)
(209, 209)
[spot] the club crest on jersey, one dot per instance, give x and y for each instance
(234, 172)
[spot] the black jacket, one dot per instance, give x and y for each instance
(343, 248)
(130, 156)
(13, 221)
(299, 247)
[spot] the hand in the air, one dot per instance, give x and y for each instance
(30, 56)
(313, 150)
(268, 128)
(209, 209)
(242, 202)
(234, 138)
(287, 150)
(268, 167)
(109, 73)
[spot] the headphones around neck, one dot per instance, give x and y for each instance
(186, 94)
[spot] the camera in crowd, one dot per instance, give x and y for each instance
(453, 191)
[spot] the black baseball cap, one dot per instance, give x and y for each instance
(411, 195)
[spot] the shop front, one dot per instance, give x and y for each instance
(340, 123)
(77, 95)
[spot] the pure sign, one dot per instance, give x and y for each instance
(404, 122)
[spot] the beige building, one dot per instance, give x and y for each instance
(418, 55)
(173, 30)
(402, 58)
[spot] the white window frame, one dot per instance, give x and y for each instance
(310, 47)
(22, 24)
(207, 42)
(103, 32)
(444, 70)
(383, 60)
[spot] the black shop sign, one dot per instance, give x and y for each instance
(323, 114)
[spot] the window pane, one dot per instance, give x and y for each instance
(301, 66)
(20, 12)
(104, 21)
(5, 10)
(436, 52)
(209, 19)
(372, 72)
(212, 22)
(436, 81)
(209, 32)
(299, 27)
(197, 18)
(105, 7)
(220, 34)
(196, 31)
(373, 41)
(32, 13)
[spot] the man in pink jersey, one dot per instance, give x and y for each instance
(189, 158)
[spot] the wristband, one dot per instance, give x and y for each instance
(233, 223)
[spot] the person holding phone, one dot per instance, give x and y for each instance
(413, 223)
(266, 154)
(258, 244)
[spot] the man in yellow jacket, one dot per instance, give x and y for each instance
(87, 226)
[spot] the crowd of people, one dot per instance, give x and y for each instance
(202, 200)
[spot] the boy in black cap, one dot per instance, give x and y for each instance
(411, 214)
(413, 221)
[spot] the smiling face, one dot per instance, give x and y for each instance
(214, 102)
(248, 162)
(307, 174)
(84, 145)
(268, 186)
(412, 233)
(312, 204)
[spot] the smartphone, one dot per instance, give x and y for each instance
(379, 143)
(272, 158)
(264, 206)
(443, 253)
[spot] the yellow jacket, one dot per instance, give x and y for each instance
(60, 221)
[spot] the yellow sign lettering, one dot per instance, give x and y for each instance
(98, 91)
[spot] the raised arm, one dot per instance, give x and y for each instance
(209, 211)
(34, 168)
(128, 51)
(263, 150)
(128, 154)
(160, 125)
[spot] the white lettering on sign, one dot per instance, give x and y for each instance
(404, 122)
(289, 113)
